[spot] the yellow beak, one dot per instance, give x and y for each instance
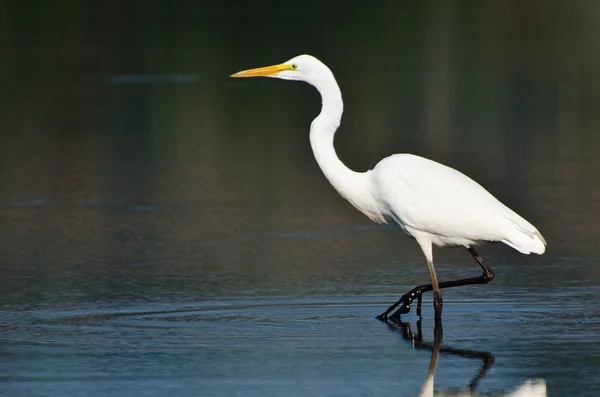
(264, 71)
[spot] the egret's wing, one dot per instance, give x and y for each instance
(431, 197)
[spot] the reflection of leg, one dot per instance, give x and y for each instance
(417, 341)
(488, 362)
(437, 342)
(406, 300)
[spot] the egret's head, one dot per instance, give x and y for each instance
(303, 68)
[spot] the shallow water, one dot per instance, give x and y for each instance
(165, 230)
(154, 329)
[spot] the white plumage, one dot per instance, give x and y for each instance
(435, 204)
(448, 207)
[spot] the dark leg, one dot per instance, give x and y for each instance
(437, 294)
(405, 301)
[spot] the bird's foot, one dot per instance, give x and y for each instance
(404, 309)
(404, 302)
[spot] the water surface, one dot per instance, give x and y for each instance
(165, 230)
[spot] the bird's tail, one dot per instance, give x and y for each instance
(523, 237)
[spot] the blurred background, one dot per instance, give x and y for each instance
(133, 170)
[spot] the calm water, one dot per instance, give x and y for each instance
(164, 230)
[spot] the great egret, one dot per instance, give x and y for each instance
(435, 204)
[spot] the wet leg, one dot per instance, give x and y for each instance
(406, 300)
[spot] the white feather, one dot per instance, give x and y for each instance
(448, 205)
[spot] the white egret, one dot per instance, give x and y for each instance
(435, 204)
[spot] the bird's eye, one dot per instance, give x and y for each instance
(294, 66)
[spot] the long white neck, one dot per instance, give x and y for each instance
(353, 186)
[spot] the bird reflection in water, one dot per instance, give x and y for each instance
(529, 388)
